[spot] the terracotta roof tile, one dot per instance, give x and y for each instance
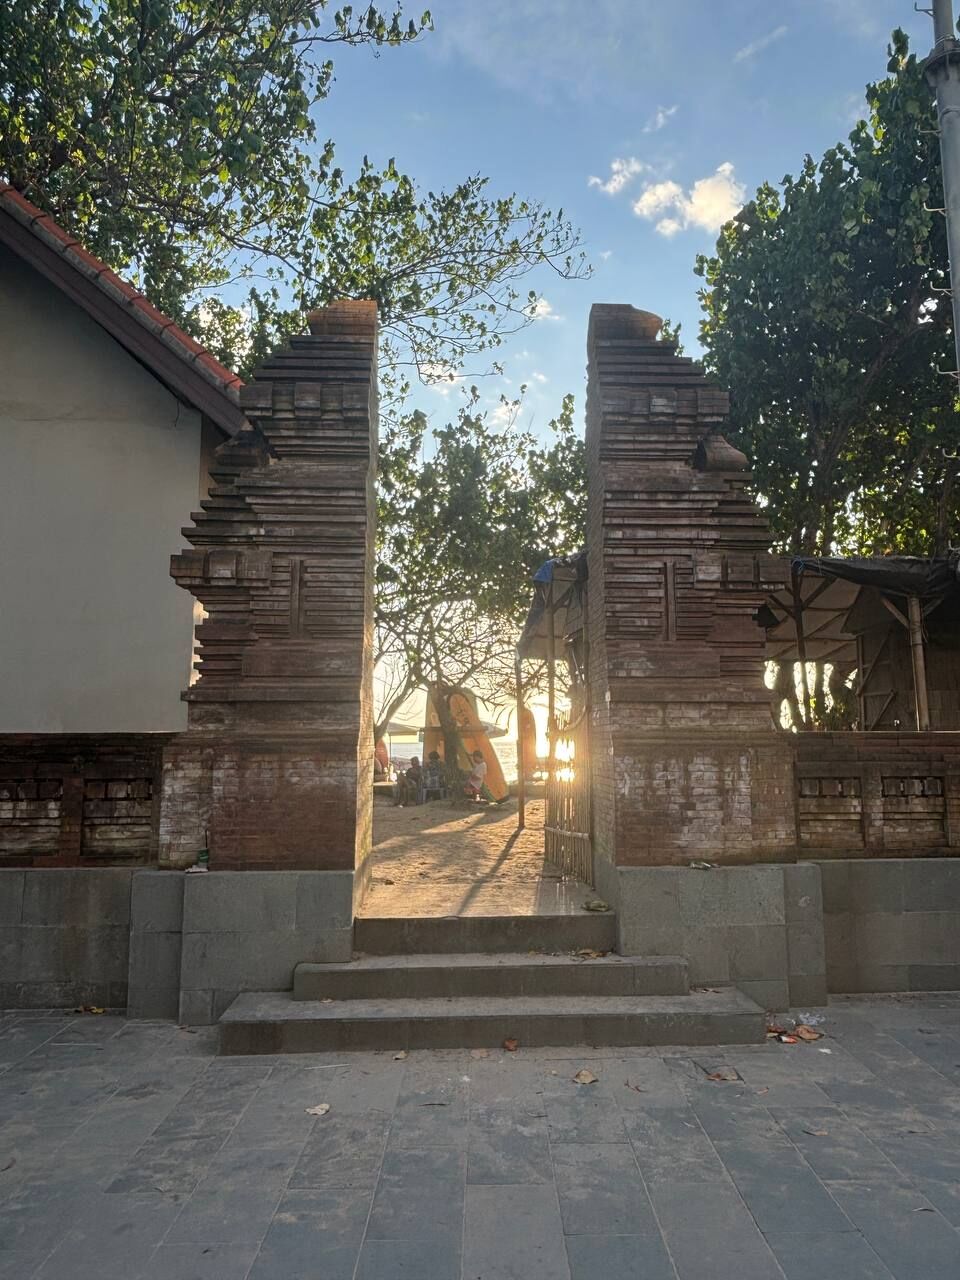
(122, 293)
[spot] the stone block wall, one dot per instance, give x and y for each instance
(247, 933)
(892, 924)
(759, 927)
(164, 944)
(64, 937)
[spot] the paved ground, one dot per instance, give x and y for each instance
(129, 1152)
(440, 859)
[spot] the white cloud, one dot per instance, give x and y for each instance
(542, 310)
(758, 46)
(605, 254)
(659, 118)
(538, 377)
(622, 173)
(708, 204)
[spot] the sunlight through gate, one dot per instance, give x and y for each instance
(567, 817)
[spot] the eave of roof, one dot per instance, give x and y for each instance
(169, 353)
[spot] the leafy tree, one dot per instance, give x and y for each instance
(825, 313)
(180, 143)
(461, 533)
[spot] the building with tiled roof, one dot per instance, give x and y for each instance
(109, 415)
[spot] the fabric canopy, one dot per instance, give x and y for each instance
(563, 577)
(893, 575)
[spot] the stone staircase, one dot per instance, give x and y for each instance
(464, 982)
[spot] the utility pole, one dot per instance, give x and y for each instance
(942, 70)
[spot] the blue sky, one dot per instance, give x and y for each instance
(700, 102)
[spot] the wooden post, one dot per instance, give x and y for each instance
(521, 763)
(914, 613)
(801, 648)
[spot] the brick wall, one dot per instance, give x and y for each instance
(79, 799)
(878, 794)
(686, 762)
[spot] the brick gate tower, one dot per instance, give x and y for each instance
(687, 764)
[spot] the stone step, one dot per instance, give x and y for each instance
(273, 1022)
(436, 976)
(446, 935)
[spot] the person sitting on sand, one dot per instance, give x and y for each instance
(408, 784)
(476, 785)
(434, 777)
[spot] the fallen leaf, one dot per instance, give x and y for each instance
(9, 1165)
(824, 1051)
(725, 1074)
(817, 1133)
(635, 1087)
(923, 1209)
(804, 1032)
(399, 1057)
(788, 1039)
(320, 1109)
(90, 1008)
(511, 1045)
(589, 953)
(774, 1029)
(596, 904)
(479, 1053)
(584, 1076)
(765, 1089)
(434, 1104)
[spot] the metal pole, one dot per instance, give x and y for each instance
(915, 615)
(942, 70)
(551, 677)
(521, 764)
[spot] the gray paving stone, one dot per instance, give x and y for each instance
(200, 1262)
(409, 1260)
(618, 1258)
(343, 1151)
(834, 1147)
(784, 1194)
(740, 1254)
(583, 1117)
(670, 1145)
(117, 1238)
(508, 1145)
(846, 1255)
(913, 1245)
(513, 1233)
(419, 1196)
(704, 1206)
(601, 1190)
(313, 1233)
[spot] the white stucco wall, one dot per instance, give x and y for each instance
(99, 470)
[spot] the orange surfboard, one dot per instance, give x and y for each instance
(473, 737)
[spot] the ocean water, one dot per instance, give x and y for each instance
(506, 749)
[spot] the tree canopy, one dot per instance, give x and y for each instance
(825, 314)
(461, 531)
(183, 144)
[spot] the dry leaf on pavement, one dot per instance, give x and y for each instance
(320, 1109)
(511, 1045)
(584, 1076)
(479, 1053)
(803, 1032)
(725, 1074)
